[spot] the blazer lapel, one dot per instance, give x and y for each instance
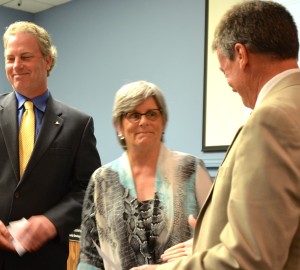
(236, 135)
(206, 203)
(9, 129)
(51, 125)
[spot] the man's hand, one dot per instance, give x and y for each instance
(182, 249)
(145, 267)
(5, 238)
(178, 251)
(173, 253)
(37, 231)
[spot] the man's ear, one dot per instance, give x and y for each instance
(49, 61)
(241, 54)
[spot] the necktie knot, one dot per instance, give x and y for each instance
(28, 105)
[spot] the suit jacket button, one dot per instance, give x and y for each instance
(17, 195)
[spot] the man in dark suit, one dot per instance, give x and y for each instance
(49, 194)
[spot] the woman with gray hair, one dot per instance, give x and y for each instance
(138, 205)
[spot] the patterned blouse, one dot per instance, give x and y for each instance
(131, 233)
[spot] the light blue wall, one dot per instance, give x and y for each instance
(103, 44)
(8, 16)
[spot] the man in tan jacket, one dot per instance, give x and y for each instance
(251, 217)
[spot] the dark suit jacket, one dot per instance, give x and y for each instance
(55, 179)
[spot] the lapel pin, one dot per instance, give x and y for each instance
(56, 123)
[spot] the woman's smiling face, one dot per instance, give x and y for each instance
(145, 132)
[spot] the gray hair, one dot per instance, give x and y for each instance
(129, 96)
(39, 32)
(263, 27)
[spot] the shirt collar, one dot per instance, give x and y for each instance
(39, 102)
(269, 85)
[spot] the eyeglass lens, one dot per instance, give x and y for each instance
(150, 115)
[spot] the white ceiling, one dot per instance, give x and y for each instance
(33, 6)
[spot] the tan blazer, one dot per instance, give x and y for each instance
(251, 218)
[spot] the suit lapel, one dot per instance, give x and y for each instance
(51, 125)
(9, 129)
(203, 209)
(236, 135)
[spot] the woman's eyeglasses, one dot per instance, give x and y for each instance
(135, 117)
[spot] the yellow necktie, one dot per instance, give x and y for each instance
(26, 135)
